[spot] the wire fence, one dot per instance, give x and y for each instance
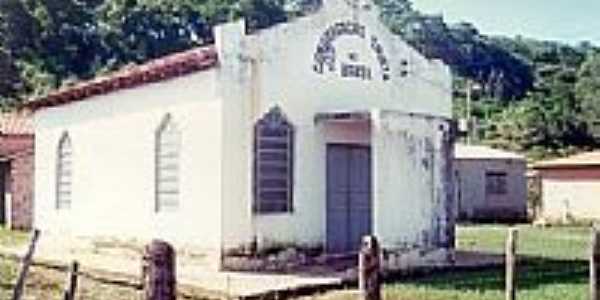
(551, 263)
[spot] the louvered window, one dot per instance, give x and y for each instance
(273, 163)
(64, 173)
(168, 144)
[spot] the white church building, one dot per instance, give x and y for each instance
(308, 134)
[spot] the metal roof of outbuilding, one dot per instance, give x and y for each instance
(586, 159)
(462, 151)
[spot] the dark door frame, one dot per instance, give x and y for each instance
(4, 188)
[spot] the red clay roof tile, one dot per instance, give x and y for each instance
(164, 68)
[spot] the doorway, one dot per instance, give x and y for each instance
(349, 199)
(4, 177)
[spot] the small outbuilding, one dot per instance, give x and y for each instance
(16, 171)
(491, 184)
(570, 187)
(307, 135)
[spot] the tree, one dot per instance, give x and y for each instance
(536, 94)
(469, 53)
(45, 44)
(19, 30)
(10, 79)
(588, 93)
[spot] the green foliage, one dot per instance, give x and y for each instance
(587, 90)
(551, 123)
(48, 43)
(539, 97)
(552, 266)
(469, 53)
(10, 80)
(534, 97)
(551, 120)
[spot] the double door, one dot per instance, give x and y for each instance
(349, 200)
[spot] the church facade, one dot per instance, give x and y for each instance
(309, 134)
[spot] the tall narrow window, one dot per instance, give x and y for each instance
(168, 144)
(64, 173)
(273, 163)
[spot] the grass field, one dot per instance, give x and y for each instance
(555, 268)
(567, 243)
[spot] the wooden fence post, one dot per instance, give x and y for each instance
(71, 286)
(158, 271)
(594, 264)
(25, 263)
(369, 273)
(511, 264)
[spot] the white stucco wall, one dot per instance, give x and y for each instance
(474, 204)
(413, 196)
(570, 193)
(113, 141)
(276, 67)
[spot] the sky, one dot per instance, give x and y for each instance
(570, 21)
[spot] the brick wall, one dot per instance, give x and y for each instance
(19, 151)
(21, 174)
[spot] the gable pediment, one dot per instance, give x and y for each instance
(339, 55)
(344, 39)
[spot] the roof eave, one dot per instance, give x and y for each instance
(566, 166)
(169, 67)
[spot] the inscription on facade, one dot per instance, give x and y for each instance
(326, 58)
(356, 71)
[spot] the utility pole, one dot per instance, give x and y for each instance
(471, 86)
(468, 117)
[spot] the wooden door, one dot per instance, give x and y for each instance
(349, 207)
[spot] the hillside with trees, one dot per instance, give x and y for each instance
(537, 97)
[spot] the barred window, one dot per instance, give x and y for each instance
(64, 173)
(495, 183)
(273, 163)
(168, 144)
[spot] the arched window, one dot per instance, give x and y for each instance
(168, 144)
(273, 163)
(64, 173)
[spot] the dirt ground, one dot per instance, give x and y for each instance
(48, 283)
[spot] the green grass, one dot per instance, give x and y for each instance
(38, 285)
(12, 238)
(555, 268)
(539, 279)
(566, 243)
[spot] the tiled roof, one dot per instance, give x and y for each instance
(586, 159)
(16, 124)
(153, 71)
(483, 152)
